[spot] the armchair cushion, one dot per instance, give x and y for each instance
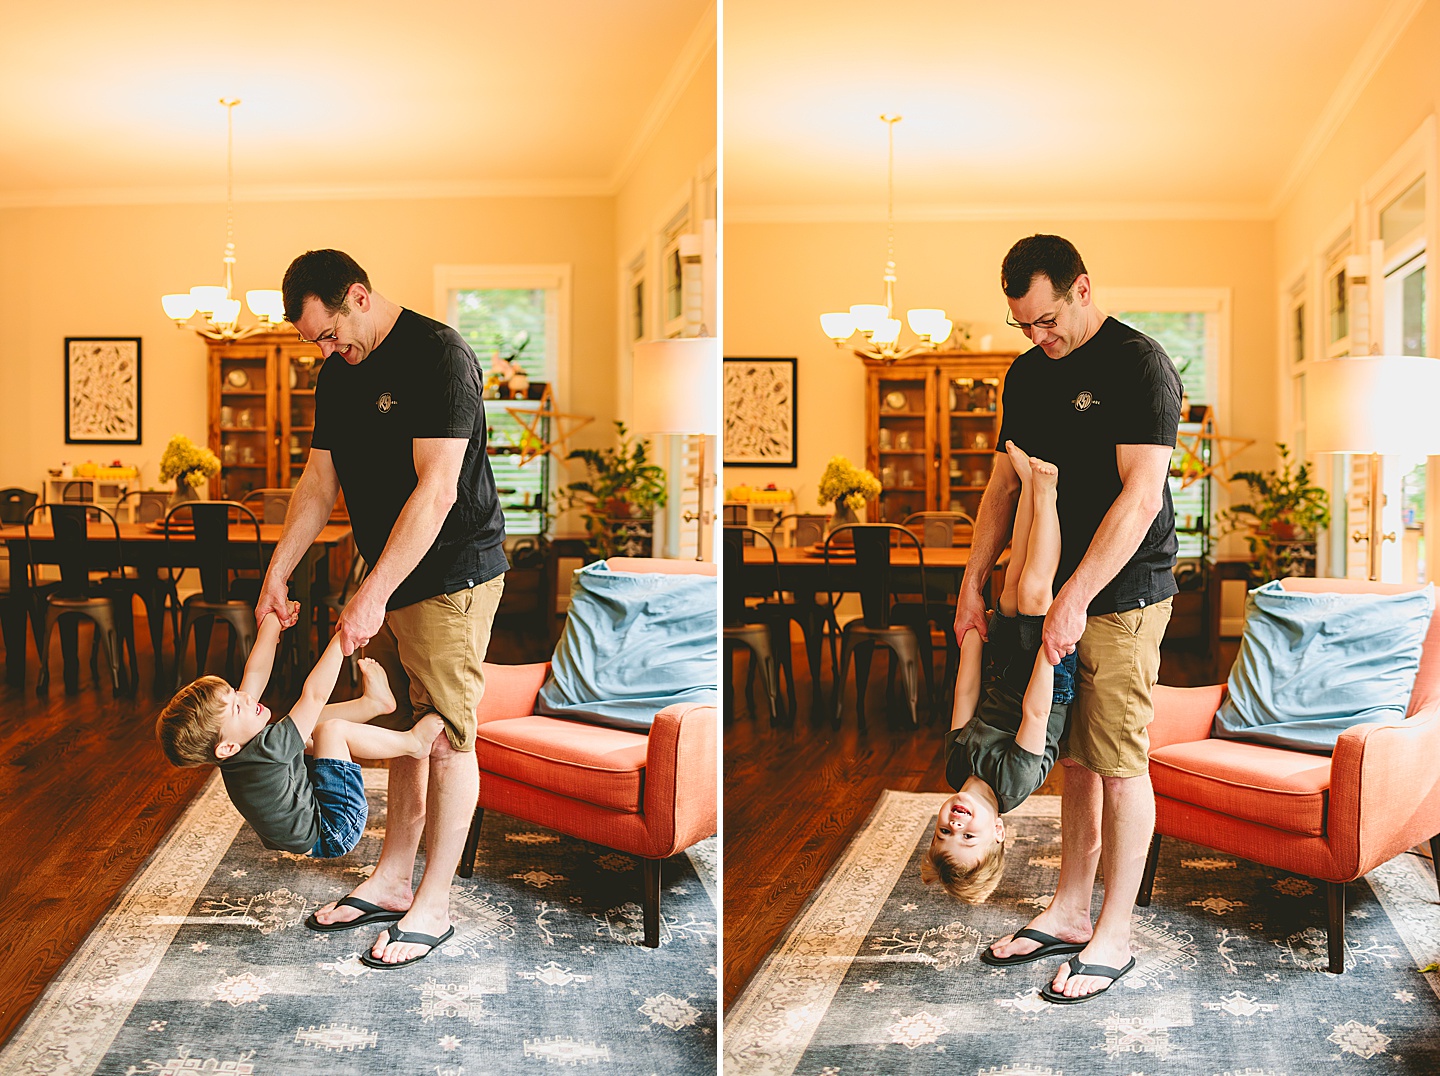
(1312, 665)
(634, 643)
(1283, 789)
(598, 765)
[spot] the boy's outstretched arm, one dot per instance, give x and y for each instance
(262, 654)
(318, 687)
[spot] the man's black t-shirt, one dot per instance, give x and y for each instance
(1118, 388)
(421, 382)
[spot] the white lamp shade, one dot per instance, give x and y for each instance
(676, 386)
(839, 327)
(926, 321)
(869, 316)
(887, 333)
(266, 304)
(180, 306)
(227, 312)
(1383, 404)
(207, 297)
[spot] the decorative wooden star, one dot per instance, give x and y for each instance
(1193, 465)
(563, 426)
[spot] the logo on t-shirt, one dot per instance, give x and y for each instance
(1084, 400)
(387, 401)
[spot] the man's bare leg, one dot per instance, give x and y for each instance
(454, 790)
(1129, 822)
(1068, 916)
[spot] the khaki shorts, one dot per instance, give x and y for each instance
(1114, 682)
(432, 651)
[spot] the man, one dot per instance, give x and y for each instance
(400, 428)
(1103, 401)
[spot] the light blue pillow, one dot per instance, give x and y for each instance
(634, 643)
(1312, 665)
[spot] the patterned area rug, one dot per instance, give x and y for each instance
(881, 974)
(205, 966)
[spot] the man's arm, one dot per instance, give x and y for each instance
(992, 528)
(1143, 470)
(262, 656)
(319, 686)
(310, 507)
(437, 466)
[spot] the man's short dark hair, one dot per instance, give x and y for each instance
(325, 274)
(1051, 255)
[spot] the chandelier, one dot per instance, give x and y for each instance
(874, 320)
(222, 313)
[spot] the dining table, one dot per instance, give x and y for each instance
(148, 549)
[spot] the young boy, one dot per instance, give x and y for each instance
(295, 803)
(999, 750)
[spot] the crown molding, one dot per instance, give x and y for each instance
(306, 192)
(931, 214)
(701, 41)
(1362, 69)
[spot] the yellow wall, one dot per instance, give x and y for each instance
(101, 270)
(780, 277)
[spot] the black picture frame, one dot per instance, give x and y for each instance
(761, 412)
(103, 390)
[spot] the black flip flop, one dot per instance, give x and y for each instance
(406, 937)
(1049, 946)
(373, 913)
(1077, 968)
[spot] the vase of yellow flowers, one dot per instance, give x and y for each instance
(189, 465)
(848, 487)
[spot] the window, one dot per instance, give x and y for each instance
(519, 314)
(672, 270)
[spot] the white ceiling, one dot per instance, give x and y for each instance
(1124, 106)
(104, 101)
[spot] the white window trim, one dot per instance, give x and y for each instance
(556, 278)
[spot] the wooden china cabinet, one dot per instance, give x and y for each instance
(262, 412)
(931, 422)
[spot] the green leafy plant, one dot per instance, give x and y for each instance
(844, 483)
(1283, 507)
(621, 487)
(185, 461)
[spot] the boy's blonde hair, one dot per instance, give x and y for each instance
(973, 888)
(189, 727)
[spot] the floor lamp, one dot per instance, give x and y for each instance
(1376, 406)
(676, 389)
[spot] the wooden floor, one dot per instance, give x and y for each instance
(85, 797)
(794, 797)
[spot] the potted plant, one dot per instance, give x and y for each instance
(1284, 507)
(848, 487)
(189, 465)
(618, 496)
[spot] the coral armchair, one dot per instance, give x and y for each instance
(649, 795)
(1332, 818)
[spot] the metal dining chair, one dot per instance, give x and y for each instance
(78, 491)
(938, 529)
(145, 505)
(878, 624)
(15, 502)
(106, 600)
(273, 503)
(223, 594)
(159, 591)
(764, 630)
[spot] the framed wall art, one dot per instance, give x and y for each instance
(102, 390)
(761, 401)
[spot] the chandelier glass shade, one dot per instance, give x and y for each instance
(876, 321)
(221, 312)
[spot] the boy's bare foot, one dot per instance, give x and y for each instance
(377, 685)
(425, 731)
(1046, 475)
(1020, 459)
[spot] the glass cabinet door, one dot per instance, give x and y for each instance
(971, 424)
(243, 421)
(299, 368)
(902, 443)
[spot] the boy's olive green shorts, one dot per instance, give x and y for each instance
(432, 651)
(1114, 691)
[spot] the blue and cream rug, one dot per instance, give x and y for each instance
(880, 974)
(205, 966)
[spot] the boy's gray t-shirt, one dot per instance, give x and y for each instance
(986, 748)
(269, 784)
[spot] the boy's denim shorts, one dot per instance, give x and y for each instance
(340, 794)
(1018, 640)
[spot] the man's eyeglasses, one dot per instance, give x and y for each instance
(1046, 323)
(327, 337)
